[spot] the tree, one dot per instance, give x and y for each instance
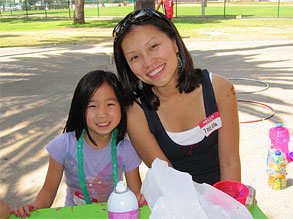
(78, 17)
(144, 4)
(203, 6)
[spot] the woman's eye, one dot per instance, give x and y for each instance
(91, 106)
(133, 58)
(154, 46)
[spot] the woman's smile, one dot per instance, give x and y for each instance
(156, 72)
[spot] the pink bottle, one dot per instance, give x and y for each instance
(279, 139)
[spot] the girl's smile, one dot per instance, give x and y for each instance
(104, 124)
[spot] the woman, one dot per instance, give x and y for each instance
(175, 112)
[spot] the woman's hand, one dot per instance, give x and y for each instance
(24, 211)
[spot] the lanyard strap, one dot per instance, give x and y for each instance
(114, 158)
(80, 164)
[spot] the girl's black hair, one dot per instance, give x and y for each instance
(189, 78)
(85, 89)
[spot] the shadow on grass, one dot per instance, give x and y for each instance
(8, 35)
(23, 20)
(51, 24)
(102, 23)
(78, 40)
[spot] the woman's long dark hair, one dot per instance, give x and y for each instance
(189, 78)
(85, 89)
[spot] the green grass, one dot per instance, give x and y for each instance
(213, 9)
(247, 11)
(183, 24)
(16, 24)
(23, 24)
(41, 32)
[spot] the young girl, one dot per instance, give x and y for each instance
(87, 151)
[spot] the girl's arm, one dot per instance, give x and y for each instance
(48, 192)
(229, 133)
(134, 184)
(141, 137)
(4, 210)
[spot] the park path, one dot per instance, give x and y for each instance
(37, 84)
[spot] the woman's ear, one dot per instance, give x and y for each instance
(175, 46)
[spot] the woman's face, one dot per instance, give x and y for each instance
(151, 55)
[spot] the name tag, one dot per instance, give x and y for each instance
(211, 124)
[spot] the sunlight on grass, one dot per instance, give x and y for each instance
(40, 32)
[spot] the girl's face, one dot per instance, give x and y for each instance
(151, 55)
(103, 112)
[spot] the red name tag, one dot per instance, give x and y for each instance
(211, 124)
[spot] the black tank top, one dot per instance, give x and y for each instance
(200, 160)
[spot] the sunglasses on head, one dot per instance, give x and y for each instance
(136, 17)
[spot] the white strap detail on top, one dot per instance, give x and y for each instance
(191, 136)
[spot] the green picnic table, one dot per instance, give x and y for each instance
(100, 211)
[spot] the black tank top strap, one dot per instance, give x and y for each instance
(151, 115)
(208, 94)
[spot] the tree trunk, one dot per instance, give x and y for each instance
(78, 17)
(203, 8)
(144, 4)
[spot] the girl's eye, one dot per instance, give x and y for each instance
(91, 106)
(111, 104)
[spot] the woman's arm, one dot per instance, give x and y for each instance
(48, 192)
(229, 133)
(141, 137)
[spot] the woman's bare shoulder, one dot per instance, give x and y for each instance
(135, 116)
(223, 89)
(134, 110)
(219, 80)
(221, 84)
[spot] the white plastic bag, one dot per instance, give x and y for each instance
(173, 194)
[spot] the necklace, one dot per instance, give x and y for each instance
(80, 164)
